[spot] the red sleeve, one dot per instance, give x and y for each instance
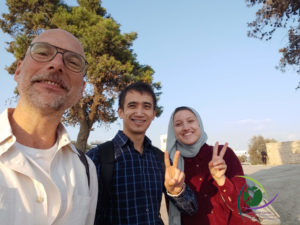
(230, 191)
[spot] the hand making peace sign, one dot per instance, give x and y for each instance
(174, 178)
(217, 165)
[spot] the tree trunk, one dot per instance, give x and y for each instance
(83, 135)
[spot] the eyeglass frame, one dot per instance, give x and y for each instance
(84, 68)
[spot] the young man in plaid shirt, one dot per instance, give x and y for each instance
(139, 177)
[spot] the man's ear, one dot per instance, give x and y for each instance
(154, 113)
(18, 70)
(120, 113)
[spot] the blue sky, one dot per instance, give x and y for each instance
(202, 56)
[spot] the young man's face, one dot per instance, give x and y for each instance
(137, 113)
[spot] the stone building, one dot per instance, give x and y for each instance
(280, 153)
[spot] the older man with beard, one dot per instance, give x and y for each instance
(42, 178)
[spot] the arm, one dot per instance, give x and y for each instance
(228, 184)
(186, 201)
(175, 188)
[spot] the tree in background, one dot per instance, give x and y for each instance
(275, 14)
(242, 158)
(112, 63)
(256, 146)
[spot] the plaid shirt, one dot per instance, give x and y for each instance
(138, 184)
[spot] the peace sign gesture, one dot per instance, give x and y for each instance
(174, 178)
(217, 165)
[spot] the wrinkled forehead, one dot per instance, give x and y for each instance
(61, 39)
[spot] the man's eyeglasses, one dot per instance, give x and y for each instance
(44, 52)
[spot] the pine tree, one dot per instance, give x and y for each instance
(112, 62)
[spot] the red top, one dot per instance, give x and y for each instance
(218, 205)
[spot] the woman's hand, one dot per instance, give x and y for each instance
(217, 165)
(174, 177)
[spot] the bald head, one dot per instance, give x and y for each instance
(62, 39)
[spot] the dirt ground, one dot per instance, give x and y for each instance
(284, 180)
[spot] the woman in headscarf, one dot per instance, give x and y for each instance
(211, 172)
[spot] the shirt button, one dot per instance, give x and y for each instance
(205, 195)
(200, 178)
(147, 210)
(197, 165)
(212, 211)
(224, 190)
(39, 199)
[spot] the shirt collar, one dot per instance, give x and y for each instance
(7, 138)
(123, 139)
(64, 139)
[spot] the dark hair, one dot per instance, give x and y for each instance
(180, 108)
(140, 87)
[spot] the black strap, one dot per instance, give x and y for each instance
(106, 156)
(107, 162)
(83, 159)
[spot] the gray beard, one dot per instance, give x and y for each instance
(55, 103)
(47, 102)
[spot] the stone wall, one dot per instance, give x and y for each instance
(280, 153)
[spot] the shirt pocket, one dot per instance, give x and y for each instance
(78, 212)
(7, 205)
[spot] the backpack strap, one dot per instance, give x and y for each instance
(106, 156)
(107, 162)
(83, 159)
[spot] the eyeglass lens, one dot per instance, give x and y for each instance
(43, 52)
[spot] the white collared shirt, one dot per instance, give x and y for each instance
(30, 195)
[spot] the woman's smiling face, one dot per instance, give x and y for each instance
(186, 127)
